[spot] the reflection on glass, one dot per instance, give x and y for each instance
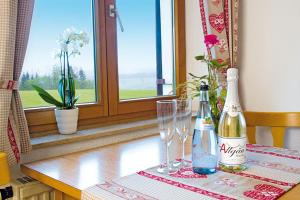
(50, 19)
(145, 48)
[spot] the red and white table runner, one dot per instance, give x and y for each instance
(271, 172)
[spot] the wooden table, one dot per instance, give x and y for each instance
(72, 173)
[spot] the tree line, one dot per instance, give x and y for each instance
(50, 82)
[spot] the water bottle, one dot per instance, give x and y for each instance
(204, 149)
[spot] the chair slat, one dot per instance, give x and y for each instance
(278, 136)
(251, 130)
(288, 119)
(278, 121)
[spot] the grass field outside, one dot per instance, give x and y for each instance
(30, 98)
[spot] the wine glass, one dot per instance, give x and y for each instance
(183, 125)
(166, 115)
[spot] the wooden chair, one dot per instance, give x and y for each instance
(278, 121)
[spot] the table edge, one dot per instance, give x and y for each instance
(56, 184)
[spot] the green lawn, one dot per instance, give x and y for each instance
(30, 98)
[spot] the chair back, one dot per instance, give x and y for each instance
(278, 121)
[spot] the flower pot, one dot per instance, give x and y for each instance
(66, 120)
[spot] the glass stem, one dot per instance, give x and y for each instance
(183, 152)
(167, 157)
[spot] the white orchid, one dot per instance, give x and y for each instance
(64, 47)
(69, 34)
(84, 37)
(71, 40)
(62, 43)
(75, 50)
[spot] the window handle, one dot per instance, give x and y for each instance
(113, 12)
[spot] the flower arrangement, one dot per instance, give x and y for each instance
(216, 72)
(69, 42)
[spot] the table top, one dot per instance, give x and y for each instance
(75, 172)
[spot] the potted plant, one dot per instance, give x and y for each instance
(215, 79)
(66, 112)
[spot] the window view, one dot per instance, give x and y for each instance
(145, 48)
(53, 20)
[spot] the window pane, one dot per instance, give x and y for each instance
(145, 48)
(50, 20)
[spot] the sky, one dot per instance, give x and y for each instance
(136, 45)
(50, 19)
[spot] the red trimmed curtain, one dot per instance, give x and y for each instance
(220, 17)
(15, 21)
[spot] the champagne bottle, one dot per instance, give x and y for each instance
(232, 137)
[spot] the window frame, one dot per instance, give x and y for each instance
(109, 109)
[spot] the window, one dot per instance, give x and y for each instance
(145, 48)
(50, 19)
(120, 73)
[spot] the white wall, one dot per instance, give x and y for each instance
(269, 57)
(194, 40)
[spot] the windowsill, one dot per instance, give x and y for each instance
(57, 145)
(90, 134)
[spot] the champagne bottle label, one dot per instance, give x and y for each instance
(232, 151)
(233, 110)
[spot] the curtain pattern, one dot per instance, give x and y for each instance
(220, 17)
(15, 20)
